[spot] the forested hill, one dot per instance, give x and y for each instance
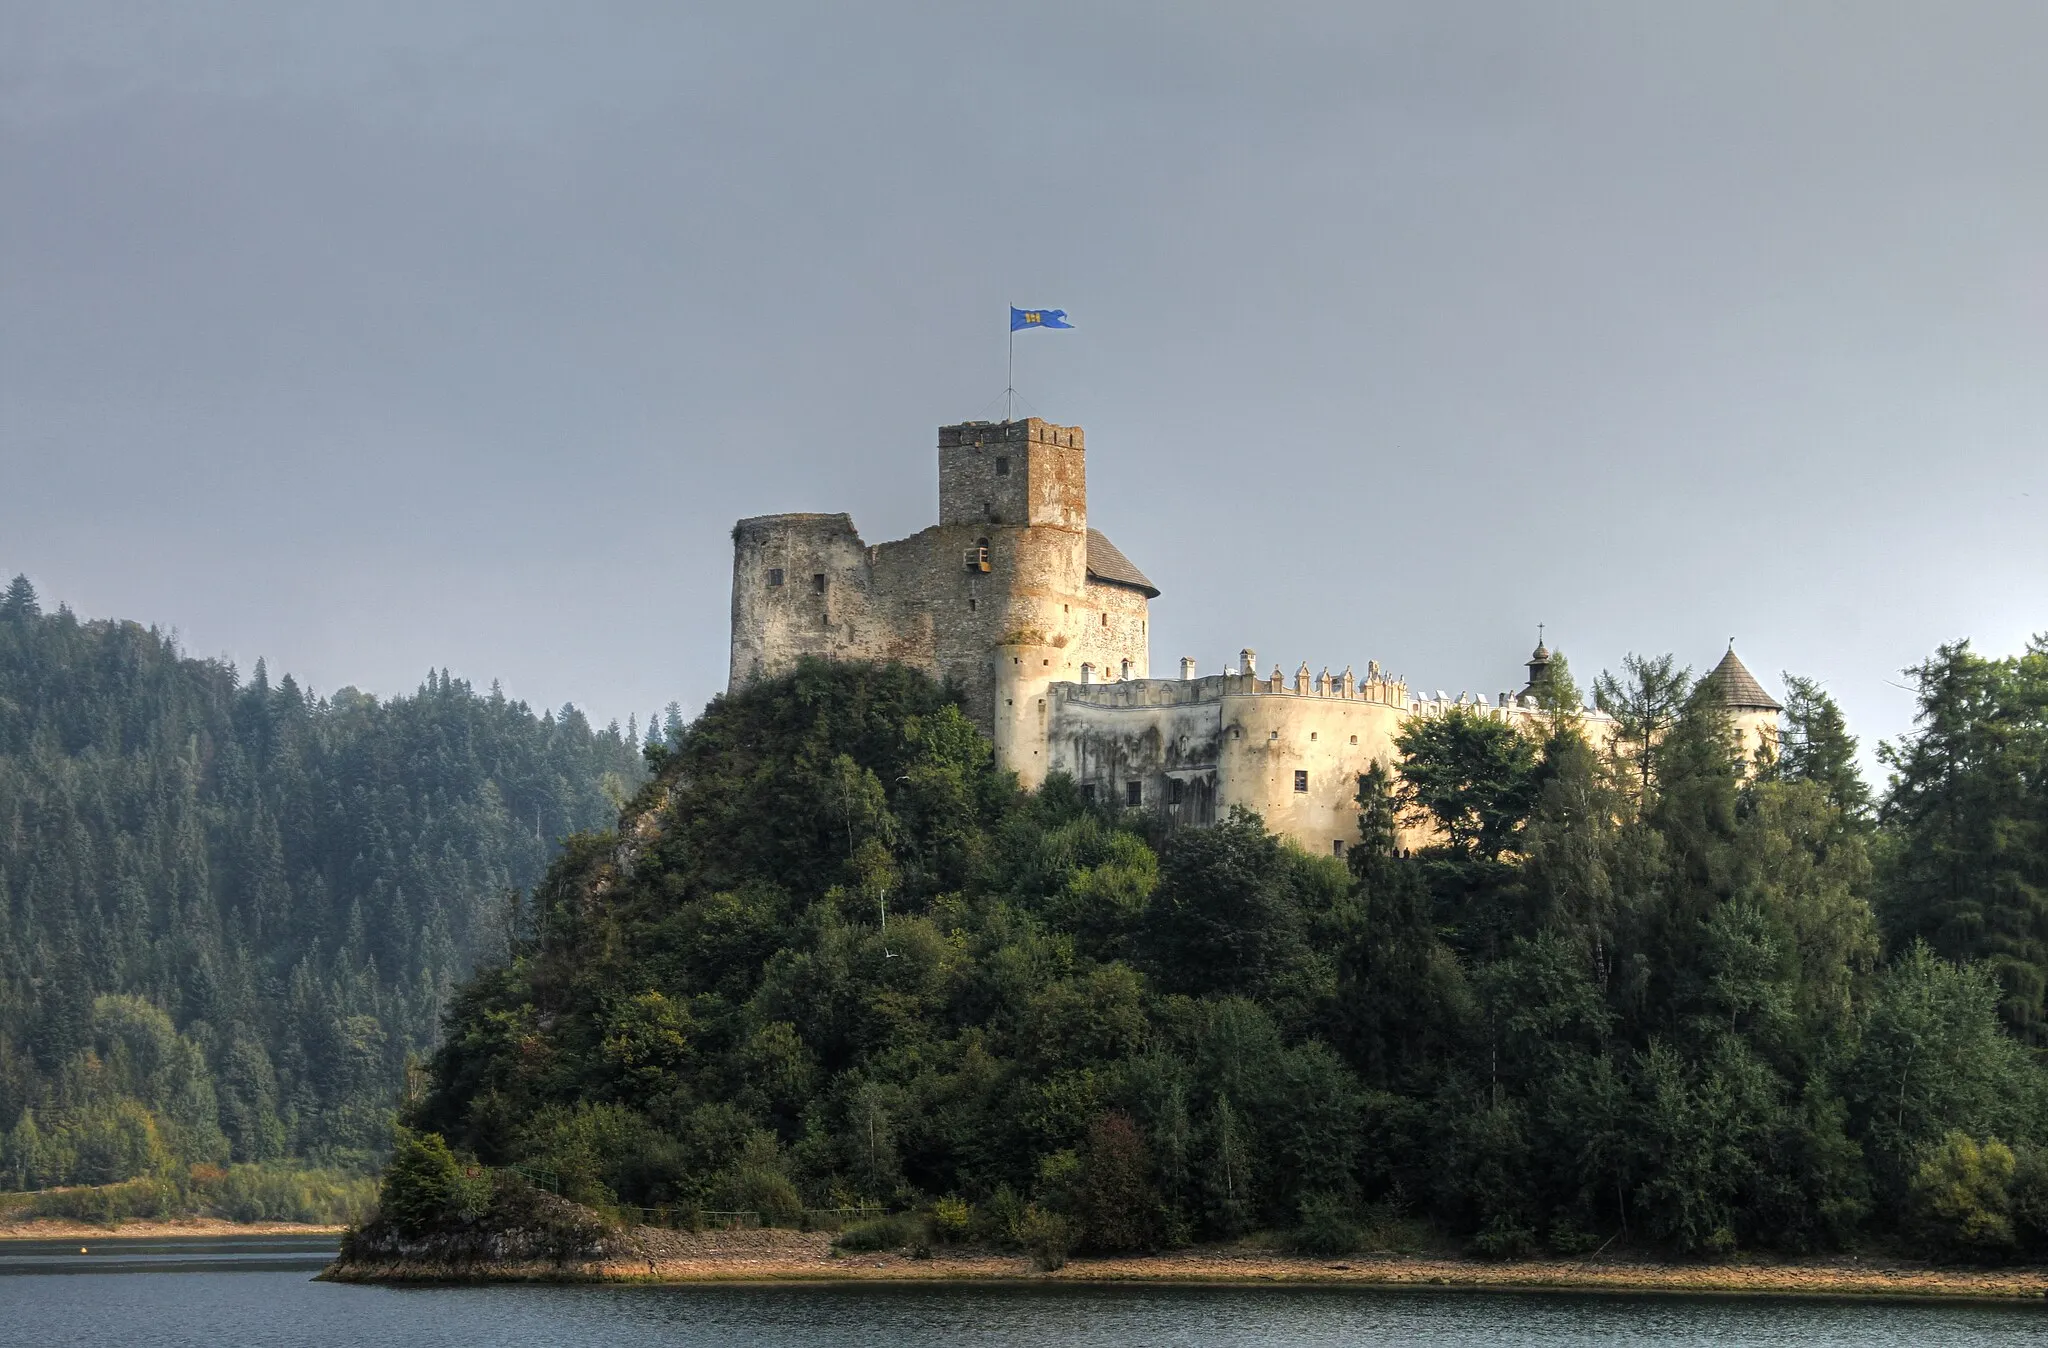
(1658, 995)
(230, 909)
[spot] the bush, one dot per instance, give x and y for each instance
(110, 1204)
(1961, 1195)
(1049, 1237)
(1326, 1227)
(998, 1221)
(880, 1233)
(1120, 1209)
(1504, 1238)
(951, 1220)
(2029, 1194)
(1568, 1238)
(272, 1192)
(425, 1187)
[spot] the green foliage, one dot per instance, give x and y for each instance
(425, 1187)
(1967, 823)
(1961, 1195)
(1048, 1236)
(1327, 1227)
(952, 1220)
(230, 909)
(830, 957)
(1472, 777)
(1636, 991)
(880, 1233)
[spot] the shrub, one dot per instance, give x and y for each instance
(1049, 1237)
(1116, 1198)
(110, 1204)
(1326, 1227)
(2029, 1193)
(1567, 1237)
(425, 1187)
(880, 1233)
(951, 1220)
(999, 1220)
(1504, 1238)
(271, 1192)
(1960, 1195)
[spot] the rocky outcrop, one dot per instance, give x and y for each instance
(541, 1237)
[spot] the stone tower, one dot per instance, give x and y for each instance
(1752, 711)
(1008, 593)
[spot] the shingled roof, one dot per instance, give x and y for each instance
(1111, 567)
(1739, 688)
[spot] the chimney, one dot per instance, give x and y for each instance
(1187, 667)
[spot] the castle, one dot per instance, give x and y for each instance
(1043, 625)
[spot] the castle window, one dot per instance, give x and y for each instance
(1311, 737)
(1134, 793)
(1088, 792)
(1002, 465)
(1105, 620)
(774, 577)
(971, 604)
(1354, 739)
(818, 582)
(1336, 847)
(1300, 781)
(1173, 792)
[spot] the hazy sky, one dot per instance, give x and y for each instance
(373, 337)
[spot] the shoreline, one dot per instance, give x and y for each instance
(155, 1228)
(647, 1256)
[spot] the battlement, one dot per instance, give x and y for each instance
(1030, 431)
(1376, 687)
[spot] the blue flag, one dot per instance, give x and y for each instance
(1038, 318)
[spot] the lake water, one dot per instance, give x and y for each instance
(255, 1293)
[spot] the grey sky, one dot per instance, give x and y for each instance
(371, 337)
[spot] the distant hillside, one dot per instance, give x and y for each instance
(230, 909)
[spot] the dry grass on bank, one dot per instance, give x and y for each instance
(652, 1255)
(65, 1228)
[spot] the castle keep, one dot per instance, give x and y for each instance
(1043, 624)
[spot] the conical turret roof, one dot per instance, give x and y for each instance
(1739, 689)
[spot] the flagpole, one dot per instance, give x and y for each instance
(1010, 391)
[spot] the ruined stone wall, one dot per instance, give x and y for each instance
(1017, 490)
(803, 585)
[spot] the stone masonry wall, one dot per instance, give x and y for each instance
(1016, 489)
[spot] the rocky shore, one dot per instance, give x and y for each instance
(647, 1254)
